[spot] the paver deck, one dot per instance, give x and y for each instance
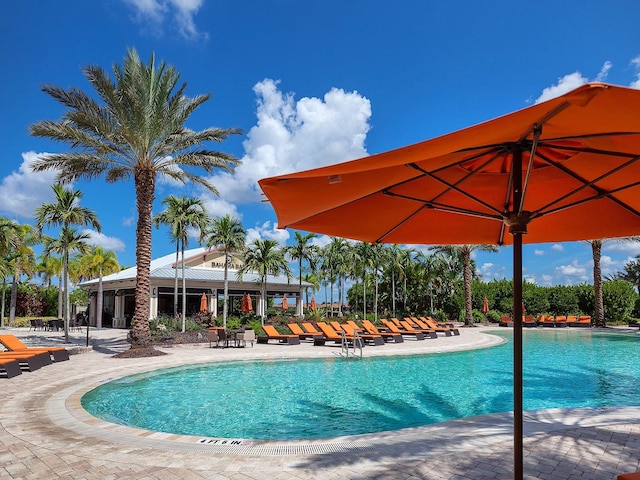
(45, 434)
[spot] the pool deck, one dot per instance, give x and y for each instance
(45, 434)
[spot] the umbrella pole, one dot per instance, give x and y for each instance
(517, 231)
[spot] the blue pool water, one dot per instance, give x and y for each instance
(319, 398)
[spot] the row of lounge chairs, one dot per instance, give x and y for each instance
(392, 330)
(15, 356)
(557, 321)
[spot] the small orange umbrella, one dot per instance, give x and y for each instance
(485, 305)
(285, 304)
(203, 303)
(249, 304)
(313, 304)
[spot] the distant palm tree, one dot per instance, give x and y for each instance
(464, 253)
(136, 131)
(228, 233)
(49, 267)
(182, 214)
(64, 213)
(596, 251)
(301, 251)
(9, 238)
(98, 263)
(22, 261)
(265, 257)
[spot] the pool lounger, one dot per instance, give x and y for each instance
(10, 367)
(273, 334)
(13, 344)
(28, 361)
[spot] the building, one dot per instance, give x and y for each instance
(204, 274)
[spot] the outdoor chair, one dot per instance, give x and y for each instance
(10, 367)
(14, 345)
(393, 328)
(387, 336)
(243, 337)
(297, 330)
(273, 334)
(213, 337)
(431, 323)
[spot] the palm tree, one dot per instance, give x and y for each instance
(596, 250)
(97, 263)
(65, 213)
(182, 214)
(301, 251)
(631, 273)
(9, 239)
(225, 232)
(464, 253)
(265, 257)
(21, 261)
(137, 130)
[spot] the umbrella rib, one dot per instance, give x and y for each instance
(447, 208)
(453, 187)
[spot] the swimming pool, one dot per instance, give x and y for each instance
(320, 398)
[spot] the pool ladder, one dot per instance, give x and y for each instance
(357, 343)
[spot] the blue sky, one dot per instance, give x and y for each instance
(310, 83)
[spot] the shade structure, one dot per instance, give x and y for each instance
(313, 304)
(285, 303)
(203, 303)
(562, 170)
(485, 305)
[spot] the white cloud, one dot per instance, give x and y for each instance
(557, 247)
(267, 231)
(573, 271)
(628, 248)
(101, 240)
(291, 136)
(572, 80)
(636, 64)
(153, 14)
(23, 191)
(217, 207)
(538, 252)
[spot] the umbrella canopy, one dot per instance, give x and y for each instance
(285, 303)
(313, 304)
(247, 305)
(485, 305)
(203, 303)
(562, 170)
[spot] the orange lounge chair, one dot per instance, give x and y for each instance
(28, 361)
(428, 332)
(546, 321)
(367, 337)
(394, 329)
(330, 334)
(529, 321)
(583, 321)
(13, 344)
(505, 321)
(387, 336)
(629, 476)
(297, 330)
(308, 326)
(561, 321)
(431, 323)
(10, 367)
(273, 334)
(355, 326)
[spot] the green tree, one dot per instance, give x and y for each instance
(64, 213)
(301, 251)
(229, 234)
(22, 261)
(264, 257)
(464, 252)
(136, 130)
(9, 238)
(181, 215)
(98, 263)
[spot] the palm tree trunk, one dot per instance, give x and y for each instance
(99, 303)
(225, 302)
(65, 274)
(596, 247)
(4, 288)
(175, 283)
(466, 274)
(60, 287)
(145, 186)
(13, 300)
(184, 289)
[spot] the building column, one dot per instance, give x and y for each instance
(299, 306)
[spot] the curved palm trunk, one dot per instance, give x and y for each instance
(466, 275)
(596, 248)
(140, 332)
(225, 303)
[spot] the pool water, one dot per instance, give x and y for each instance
(319, 398)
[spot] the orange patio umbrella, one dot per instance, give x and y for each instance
(485, 305)
(203, 303)
(313, 304)
(562, 170)
(285, 303)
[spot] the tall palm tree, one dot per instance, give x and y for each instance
(64, 213)
(265, 257)
(301, 251)
(98, 263)
(464, 252)
(9, 238)
(22, 261)
(135, 131)
(229, 234)
(182, 214)
(596, 251)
